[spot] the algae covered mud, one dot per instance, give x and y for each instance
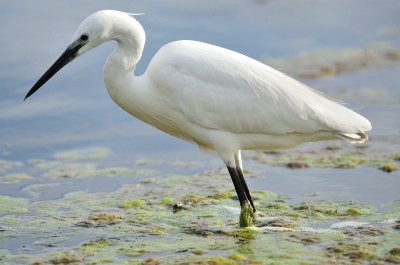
(83, 183)
(153, 218)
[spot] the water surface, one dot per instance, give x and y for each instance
(74, 112)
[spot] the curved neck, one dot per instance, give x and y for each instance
(118, 70)
(125, 56)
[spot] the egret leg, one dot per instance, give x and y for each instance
(238, 185)
(239, 169)
(247, 211)
(245, 188)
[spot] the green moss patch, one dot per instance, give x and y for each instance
(389, 167)
(12, 205)
(341, 155)
(132, 204)
(14, 178)
(96, 153)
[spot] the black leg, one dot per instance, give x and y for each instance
(245, 188)
(240, 191)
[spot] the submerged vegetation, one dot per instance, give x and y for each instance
(332, 156)
(247, 216)
(185, 219)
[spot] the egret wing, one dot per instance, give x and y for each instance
(220, 89)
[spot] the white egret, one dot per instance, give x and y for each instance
(220, 100)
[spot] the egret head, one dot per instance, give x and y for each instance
(97, 28)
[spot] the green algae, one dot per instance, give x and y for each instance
(83, 170)
(151, 261)
(137, 224)
(221, 261)
(331, 156)
(100, 220)
(395, 251)
(354, 211)
(397, 225)
(247, 216)
(305, 238)
(13, 205)
(223, 195)
(166, 201)
(155, 231)
(132, 204)
(340, 161)
(277, 206)
(246, 233)
(67, 259)
(14, 178)
(351, 251)
(326, 209)
(197, 251)
(393, 259)
(193, 199)
(132, 251)
(96, 245)
(105, 218)
(389, 167)
(96, 153)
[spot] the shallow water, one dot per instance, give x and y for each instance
(47, 192)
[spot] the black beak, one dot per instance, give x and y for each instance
(68, 55)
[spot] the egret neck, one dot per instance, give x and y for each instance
(120, 65)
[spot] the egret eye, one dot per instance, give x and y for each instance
(84, 37)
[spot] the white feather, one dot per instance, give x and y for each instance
(218, 89)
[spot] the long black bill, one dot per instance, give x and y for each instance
(68, 55)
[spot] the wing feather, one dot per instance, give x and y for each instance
(220, 89)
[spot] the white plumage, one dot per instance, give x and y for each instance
(218, 89)
(220, 100)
